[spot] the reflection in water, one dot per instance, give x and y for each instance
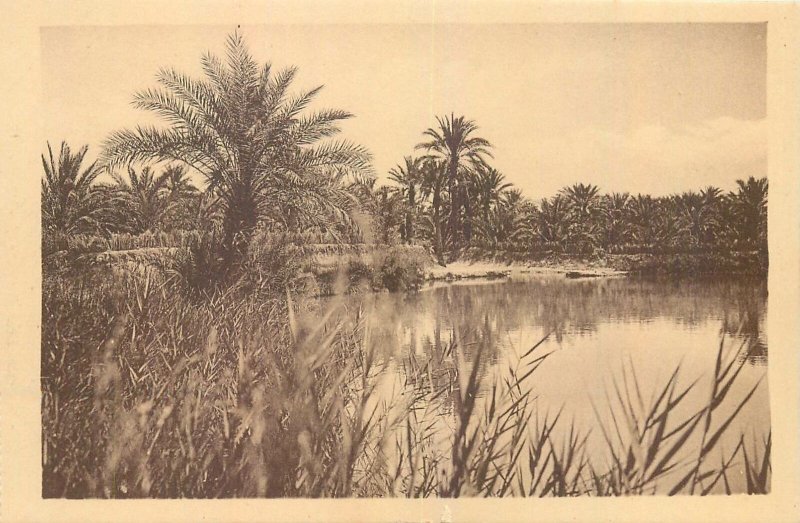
(594, 325)
(433, 318)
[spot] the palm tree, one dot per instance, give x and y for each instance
(144, 196)
(666, 226)
(697, 216)
(69, 205)
(643, 211)
(615, 224)
(712, 202)
(186, 201)
(453, 144)
(583, 204)
(178, 183)
(711, 196)
(408, 177)
(582, 200)
(388, 212)
(489, 185)
(250, 140)
(506, 219)
(433, 179)
(552, 222)
(749, 208)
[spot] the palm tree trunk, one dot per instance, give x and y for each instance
(239, 224)
(438, 245)
(468, 216)
(453, 224)
(410, 215)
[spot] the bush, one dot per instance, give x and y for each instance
(400, 269)
(359, 273)
(271, 266)
(734, 262)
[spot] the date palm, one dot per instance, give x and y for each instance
(144, 197)
(253, 143)
(388, 207)
(666, 225)
(434, 175)
(643, 212)
(712, 202)
(615, 219)
(583, 201)
(552, 223)
(749, 208)
(454, 144)
(697, 216)
(69, 205)
(489, 185)
(178, 184)
(408, 177)
(506, 220)
(185, 200)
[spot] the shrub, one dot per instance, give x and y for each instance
(400, 268)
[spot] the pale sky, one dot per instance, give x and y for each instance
(635, 107)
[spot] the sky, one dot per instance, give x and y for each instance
(650, 108)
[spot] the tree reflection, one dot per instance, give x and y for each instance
(428, 322)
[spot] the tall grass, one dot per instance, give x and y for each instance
(152, 391)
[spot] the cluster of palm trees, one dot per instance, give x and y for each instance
(266, 161)
(452, 199)
(138, 201)
(580, 219)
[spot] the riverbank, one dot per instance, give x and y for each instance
(402, 267)
(462, 270)
(361, 268)
(684, 264)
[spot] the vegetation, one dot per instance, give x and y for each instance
(466, 205)
(148, 395)
(458, 153)
(210, 370)
(69, 205)
(257, 151)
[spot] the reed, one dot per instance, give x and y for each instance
(150, 391)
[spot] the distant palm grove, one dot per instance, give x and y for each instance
(476, 208)
(175, 360)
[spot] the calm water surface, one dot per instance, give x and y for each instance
(597, 326)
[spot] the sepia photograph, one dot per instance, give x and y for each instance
(506, 259)
(554, 288)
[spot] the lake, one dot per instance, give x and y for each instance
(596, 329)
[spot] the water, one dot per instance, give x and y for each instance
(596, 327)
